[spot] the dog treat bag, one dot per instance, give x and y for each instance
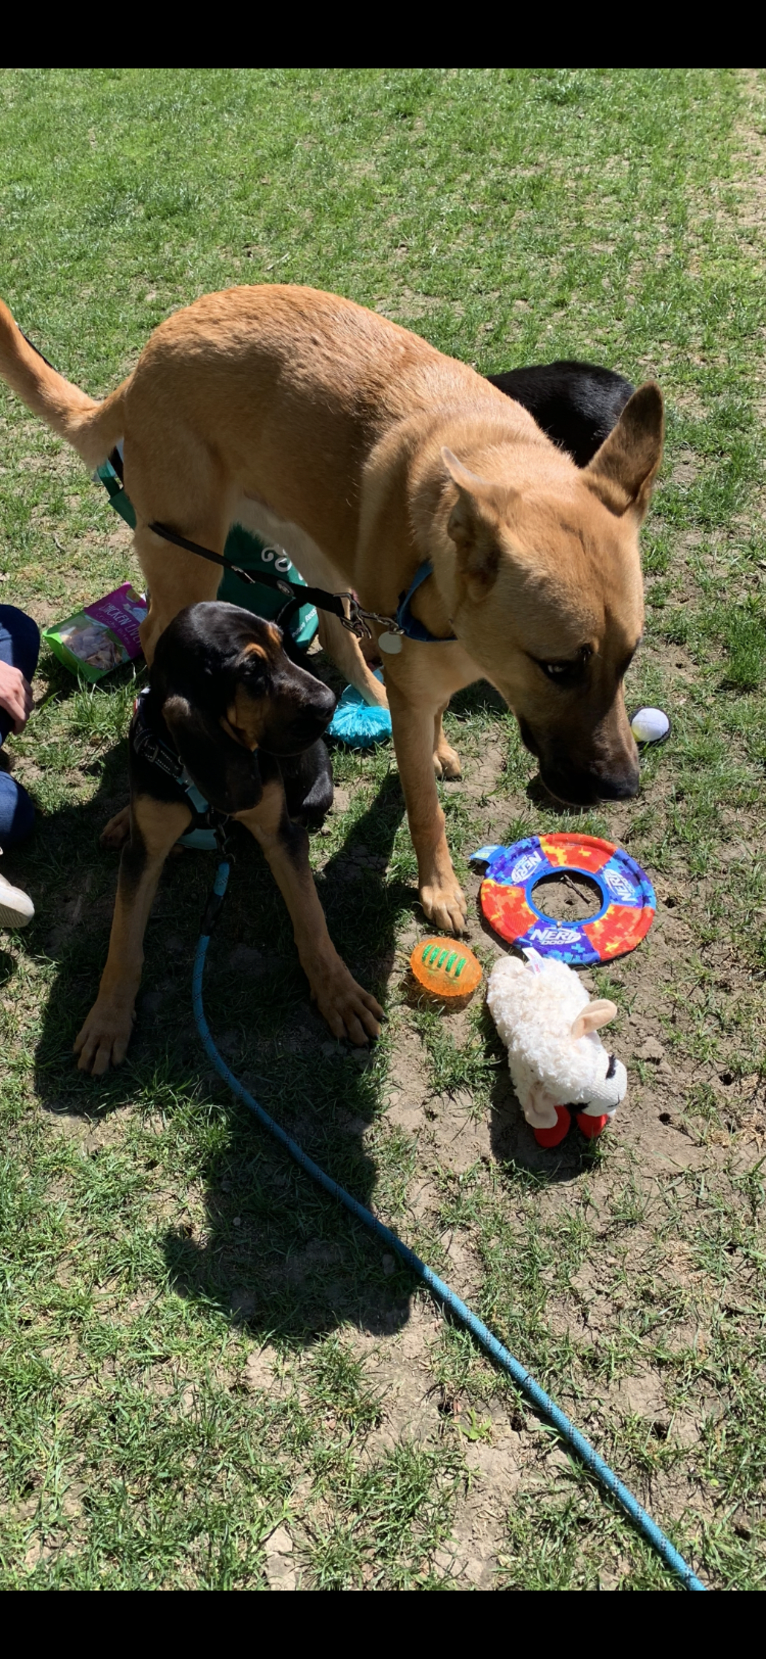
(101, 636)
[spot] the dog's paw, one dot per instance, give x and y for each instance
(104, 1037)
(349, 1011)
(114, 834)
(447, 762)
(445, 906)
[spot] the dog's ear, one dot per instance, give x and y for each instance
(474, 524)
(623, 470)
(224, 771)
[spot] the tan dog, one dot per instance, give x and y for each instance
(367, 452)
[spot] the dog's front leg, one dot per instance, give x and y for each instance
(345, 651)
(348, 1010)
(414, 728)
(155, 827)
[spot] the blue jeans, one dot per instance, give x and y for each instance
(19, 646)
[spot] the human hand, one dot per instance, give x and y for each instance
(15, 695)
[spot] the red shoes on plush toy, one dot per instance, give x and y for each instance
(590, 1126)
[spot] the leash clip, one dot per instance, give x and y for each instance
(358, 619)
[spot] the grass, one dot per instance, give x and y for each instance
(200, 1357)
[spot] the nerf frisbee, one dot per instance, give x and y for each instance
(627, 897)
(445, 969)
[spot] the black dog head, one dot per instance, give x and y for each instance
(227, 692)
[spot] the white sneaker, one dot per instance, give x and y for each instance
(16, 908)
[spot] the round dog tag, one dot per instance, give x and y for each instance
(390, 643)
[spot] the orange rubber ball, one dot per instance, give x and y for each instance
(445, 968)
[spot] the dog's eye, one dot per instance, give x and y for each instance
(566, 673)
(562, 673)
(612, 1067)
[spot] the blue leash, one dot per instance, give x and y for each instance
(542, 1401)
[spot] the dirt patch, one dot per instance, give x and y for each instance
(567, 898)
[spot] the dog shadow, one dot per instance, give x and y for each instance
(253, 1237)
(478, 698)
(539, 796)
(275, 1255)
(261, 1245)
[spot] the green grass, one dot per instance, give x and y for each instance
(199, 1354)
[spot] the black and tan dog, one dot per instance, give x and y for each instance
(228, 707)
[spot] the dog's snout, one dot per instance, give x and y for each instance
(301, 712)
(323, 706)
(315, 717)
(584, 786)
(577, 778)
(618, 785)
(326, 704)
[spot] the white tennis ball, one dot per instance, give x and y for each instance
(650, 726)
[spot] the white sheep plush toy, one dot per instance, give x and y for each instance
(556, 1060)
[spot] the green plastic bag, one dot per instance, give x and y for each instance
(101, 636)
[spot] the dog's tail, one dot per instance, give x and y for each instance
(92, 428)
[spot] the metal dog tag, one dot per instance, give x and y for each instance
(390, 643)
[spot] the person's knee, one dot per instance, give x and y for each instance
(19, 639)
(17, 814)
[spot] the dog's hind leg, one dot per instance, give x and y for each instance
(348, 1009)
(446, 759)
(173, 478)
(188, 497)
(174, 577)
(155, 827)
(343, 649)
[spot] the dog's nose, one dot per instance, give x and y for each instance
(314, 720)
(585, 786)
(322, 708)
(326, 705)
(620, 785)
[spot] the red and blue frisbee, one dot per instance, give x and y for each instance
(627, 907)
